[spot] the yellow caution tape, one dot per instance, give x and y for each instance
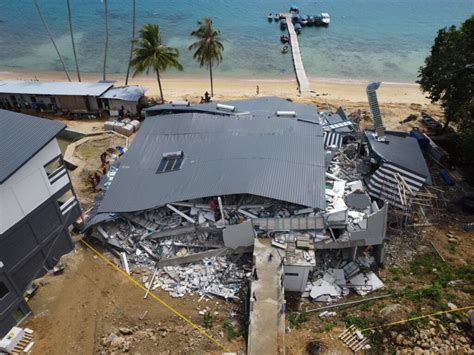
(420, 317)
(152, 294)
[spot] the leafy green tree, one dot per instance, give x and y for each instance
(151, 54)
(448, 73)
(208, 46)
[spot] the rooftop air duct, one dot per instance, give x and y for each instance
(225, 107)
(374, 107)
(180, 103)
(286, 113)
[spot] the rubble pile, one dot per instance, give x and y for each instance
(214, 276)
(334, 277)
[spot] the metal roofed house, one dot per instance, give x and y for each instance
(74, 97)
(52, 96)
(37, 207)
(396, 157)
(263, 106)
(277, 159)
(124, 98)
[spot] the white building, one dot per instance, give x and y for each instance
(37, 208)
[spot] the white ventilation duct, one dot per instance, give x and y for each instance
(374, 107)
(286, 113)
(225, 107)
(177, 154)
(180, 103)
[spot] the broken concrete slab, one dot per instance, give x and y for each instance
(365, 283)
(239, 235)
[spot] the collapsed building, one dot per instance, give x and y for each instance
(202, 181)
(201, 185)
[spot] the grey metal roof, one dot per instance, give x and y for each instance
(262, 106)
(340, 116)
(276, 158)
(400, 149)
(124, 93)
(22, 136)
(31, 87)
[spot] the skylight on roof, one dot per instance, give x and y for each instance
(171, 161)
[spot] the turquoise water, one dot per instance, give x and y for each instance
(367, 39)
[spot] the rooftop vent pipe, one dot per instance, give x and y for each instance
(374, 107)
(225, 107)
(177, 154)
(286, 113)
(181, 103)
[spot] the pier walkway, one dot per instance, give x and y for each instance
(301, 78)
(267, 301)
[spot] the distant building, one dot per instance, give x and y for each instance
(37, 207)
(70, 97)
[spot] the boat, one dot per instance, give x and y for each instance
(285, 49)
(276, 17)
(326, 19)
(283, 24)
(298, 28)
(284, 39)
(294, 10)
(270, 17)
(322, 19)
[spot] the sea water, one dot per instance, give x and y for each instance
(367, 39)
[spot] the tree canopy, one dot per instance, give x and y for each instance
(151, 54)
(448, 73)
(208, 46)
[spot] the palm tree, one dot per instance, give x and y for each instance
(208, 46)
(52, 39)
(132, 41)
(106, 14)
(152, 54)
(72, 40)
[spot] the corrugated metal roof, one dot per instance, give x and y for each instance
(277, 158)
(262, 106)
(400, 149)
(22, 136)
(124, 93)
(30, 87)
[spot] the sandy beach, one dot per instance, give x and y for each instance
(397, 100)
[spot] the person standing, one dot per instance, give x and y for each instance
(258, 90)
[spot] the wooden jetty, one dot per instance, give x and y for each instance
(301, 78)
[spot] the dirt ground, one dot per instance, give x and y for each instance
(90, 300)
(88, 157)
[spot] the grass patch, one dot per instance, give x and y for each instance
(359, 322)
(327, 328)
(297, 319)
(231, 332)
(207, 320)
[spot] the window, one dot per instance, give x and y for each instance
(3, 290)
(66, 202)
(170, 162)
(33, 99)
(291, 274)
(55, 169)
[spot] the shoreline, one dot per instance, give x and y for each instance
(192, 87)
